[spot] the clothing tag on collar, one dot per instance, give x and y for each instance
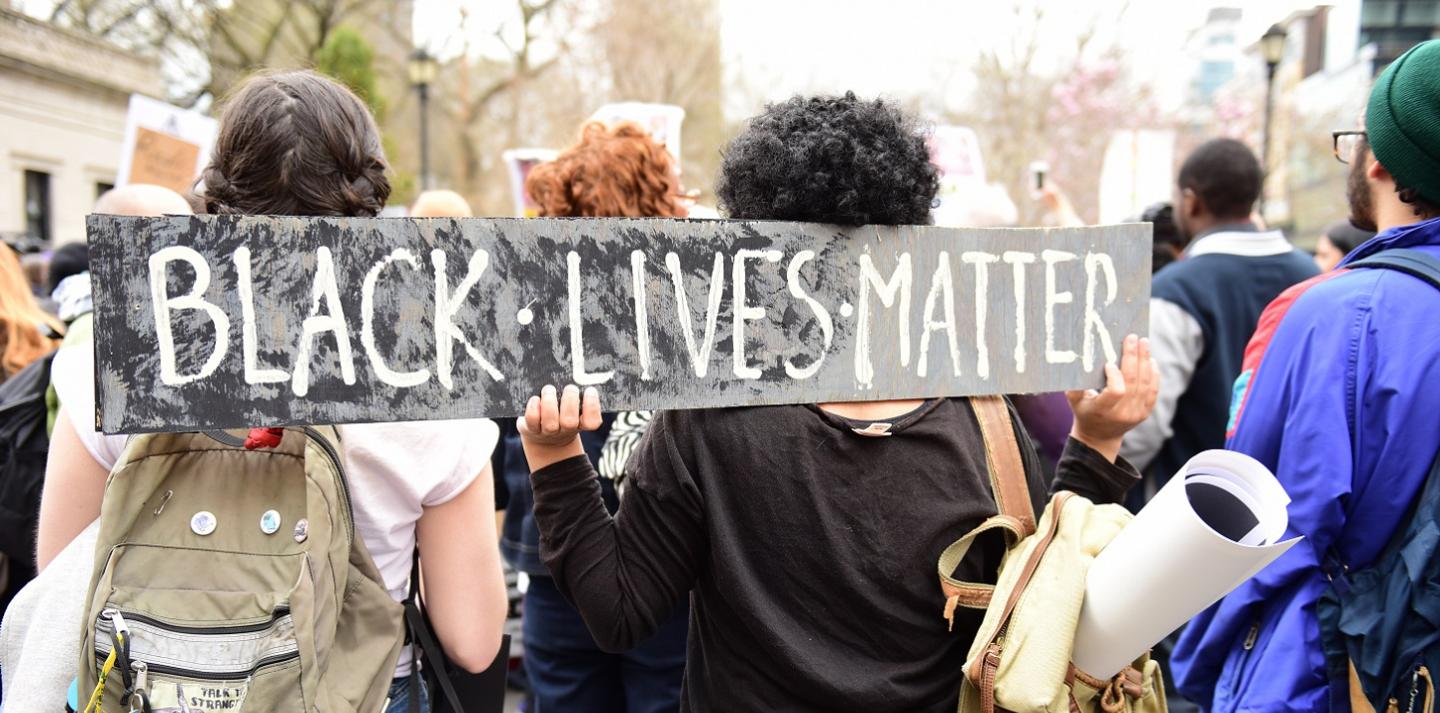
(879, 428)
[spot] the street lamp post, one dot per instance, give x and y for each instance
(423, 69)
(1272, 46)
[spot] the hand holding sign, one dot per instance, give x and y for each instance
(551, 426)
(1103, 417)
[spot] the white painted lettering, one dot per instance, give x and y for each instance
(577, 336)
(822, 316)
(161, 304)
(699, 358)
(982, 262)
(1052, 298)
(642, 314)
(1018, 260)
(942, 293)
(447, 303)
(743, 312)
(248, 338)
(898, 284)
(325, 288)
(367, 324)
(1093, 322)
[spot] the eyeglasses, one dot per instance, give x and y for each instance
(1346, 143)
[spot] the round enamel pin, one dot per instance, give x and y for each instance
(302, 530)
(270, 522)
(203, 523)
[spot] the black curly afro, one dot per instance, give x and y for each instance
(830, 159)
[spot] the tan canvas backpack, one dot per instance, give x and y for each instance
(230, 578)
(1020, 660)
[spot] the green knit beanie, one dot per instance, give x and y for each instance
(1403, 120)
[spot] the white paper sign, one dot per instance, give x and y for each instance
(1217, 523)
(164, 145)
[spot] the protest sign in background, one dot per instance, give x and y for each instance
(228, 321)
(164, 145)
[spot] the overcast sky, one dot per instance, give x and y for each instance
(909, 47)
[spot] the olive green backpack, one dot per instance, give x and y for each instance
(1020, 660)
(229, 576)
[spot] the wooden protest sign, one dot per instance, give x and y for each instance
(226, 321)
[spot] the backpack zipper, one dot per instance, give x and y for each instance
(109, 615)
(324, 443)
(120, 620)
(237, 675)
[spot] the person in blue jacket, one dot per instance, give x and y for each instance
(1337, 397)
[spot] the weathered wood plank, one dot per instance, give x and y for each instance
(335, 320)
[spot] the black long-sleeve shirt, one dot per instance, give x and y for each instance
(809, 550)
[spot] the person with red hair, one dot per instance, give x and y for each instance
(613, 171)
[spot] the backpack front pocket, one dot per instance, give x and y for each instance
(190, 666)
(207, 648)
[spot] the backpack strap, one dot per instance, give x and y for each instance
(1416, 263)
(418, 626)
(1423, 266)
(1002, 455)
(1016, 516)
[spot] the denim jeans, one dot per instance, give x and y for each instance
(569, 673)
(400, 695)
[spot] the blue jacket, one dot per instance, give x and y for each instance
(1337, 397)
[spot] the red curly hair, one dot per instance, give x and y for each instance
(612, 172)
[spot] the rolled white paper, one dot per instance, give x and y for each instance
(1217, 523)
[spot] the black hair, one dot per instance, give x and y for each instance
(1345, 236)
(829, 159)
(1166, 240)
(1226, 176)
(296, 143)
(67, 260)
(1423, 207)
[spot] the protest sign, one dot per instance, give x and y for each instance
(661, 121)
(519, 163)
(229, 321)
(164, 145)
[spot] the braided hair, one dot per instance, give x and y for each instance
(295, 143)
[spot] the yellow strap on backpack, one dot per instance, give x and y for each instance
(99, 694)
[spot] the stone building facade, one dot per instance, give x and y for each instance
(63, 98)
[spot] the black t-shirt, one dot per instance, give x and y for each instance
(809, 550)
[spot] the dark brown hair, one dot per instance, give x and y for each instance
(612, 172)
(296, 143)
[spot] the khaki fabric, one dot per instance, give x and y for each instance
(1020, 660)
(238, 619)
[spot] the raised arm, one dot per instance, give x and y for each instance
(624, 574)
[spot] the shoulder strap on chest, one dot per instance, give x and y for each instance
(1002, 456)
(1416, 263)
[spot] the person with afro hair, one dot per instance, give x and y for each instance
(805, 537)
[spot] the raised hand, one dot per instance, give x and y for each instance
(1102, 418)
(552, 424)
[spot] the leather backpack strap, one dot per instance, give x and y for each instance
(971, 595)
(1002, 455)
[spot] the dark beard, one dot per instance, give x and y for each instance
(1357, 192)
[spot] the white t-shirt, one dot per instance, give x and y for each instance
(394, 469)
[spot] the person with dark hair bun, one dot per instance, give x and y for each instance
(298, 143)
(805, 537)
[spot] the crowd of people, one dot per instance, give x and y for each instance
(783, 557)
